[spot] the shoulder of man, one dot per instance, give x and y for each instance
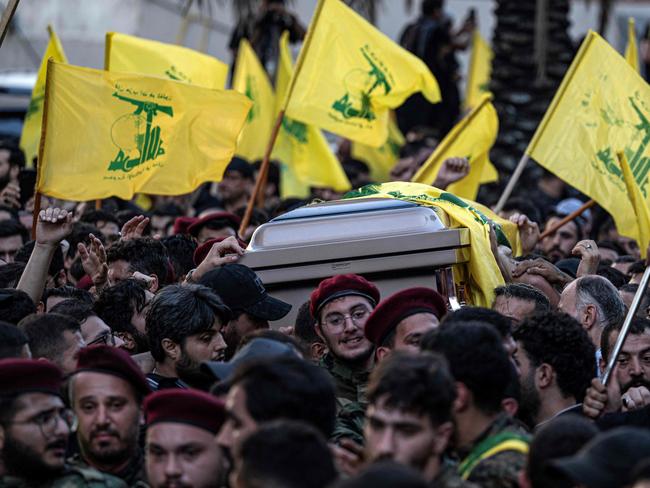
(499, 471)
(349, 423)
(77, 476)
(449, 478)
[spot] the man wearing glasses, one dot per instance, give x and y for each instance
(34, 429)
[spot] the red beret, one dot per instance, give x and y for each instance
(185, 406)
(114, 361)
(182, 224)
(341, 286)
(202, 251)
(19, 376)
(399, 306)
(232, 219)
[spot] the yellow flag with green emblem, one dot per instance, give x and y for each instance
(479, 72)
(631, 51)
(382, 159)
(639, 203)
(349, 75)
(471, 138)
(115, 134)
(31, 134)
(306, 158)
(251, 79)
(601, 108)
(130, 54)
(484, 273)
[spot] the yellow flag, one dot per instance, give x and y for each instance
(631, 51)
(382, 159)
(130, 54)
(471, 138)
(479, 71)
(349, 75)
(601, 108)
(484, 273)
(251, 79)
(31, 134)
(115, 134)
(639, 203)
(306, 158)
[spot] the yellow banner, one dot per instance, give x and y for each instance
(479, 72)
(631, 51)
(349, 75)
(115, 134)
(382, 159)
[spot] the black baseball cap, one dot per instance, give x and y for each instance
(258, 348)
(607, 461)
(243, 291)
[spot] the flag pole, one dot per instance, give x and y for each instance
(37, 210)
(620, 340)
(552, 230)
(261, 176)
(98, 204)
(7, 15)
(511, 183)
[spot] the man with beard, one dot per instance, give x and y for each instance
(491, 446)
(244, 293)
(12, 160)
(124, 307)
(555, 359)
(34, 430)
(106, 393)
(399, 322)
(179, 449)
(184, 327)
(409, 416)
(560, 244)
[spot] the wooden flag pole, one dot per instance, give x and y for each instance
(37, 210)
(185, 22)
(98, 204)
(261, 176)
(552, 230)
(7, 15)
(511, 183)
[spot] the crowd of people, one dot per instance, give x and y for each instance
(136, 350)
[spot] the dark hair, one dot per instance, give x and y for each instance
(178, 312)
(288, 388)
(68, 292)
(625, 259)
(12, 340)
(613, 275)
(614, 246)
(598, 291)
(145, 255)
(95, 216)
(523, 291)
(10, 274)
(75, 309)
(274, 335)
(258, 217)
(305, 326)
(639, 325)
(79, 235)
(11, 227)
(77, 270)
(557, 339)
(9, 406)
(56, 265)
(180, 249)
(117, 304)
(168, 210)
(15, 305)
(421, 384)
(644, 306)
(428, 7)
(10, 210)
(385, 474)
(636, 268)
(45, 334)
(476, 358)
(524, 206)
(561, 437)
(286, 453)
(16, 155)
(500, 323)
(641, 472)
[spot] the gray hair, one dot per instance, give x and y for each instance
(599, 292)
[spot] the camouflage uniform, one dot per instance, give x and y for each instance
(72, 477)
(350, 398)
(131, 474)
(448, 477)
(497, 456)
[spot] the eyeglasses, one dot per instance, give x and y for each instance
(107, 338)
(336, 321)
(48, 420)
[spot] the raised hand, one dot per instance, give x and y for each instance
(93, 260)
(10, 196)
(452, 170)
(134, 228)
(53, 225)
(224, 252)
(528, 232)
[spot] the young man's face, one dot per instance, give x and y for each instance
(341, 323)
(402, 436)
(239, 423)
(108, 414)
(36, 438)
(410, 330)
(182, 455)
